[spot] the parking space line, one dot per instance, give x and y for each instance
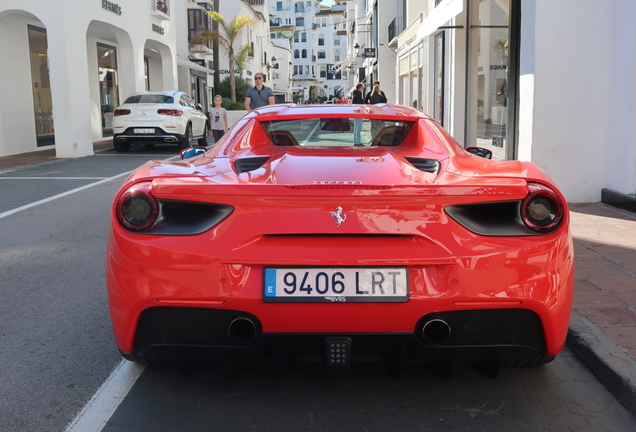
(100, 408)
(70, 192)
(63, 194)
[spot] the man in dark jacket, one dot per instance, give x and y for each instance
(357, 94)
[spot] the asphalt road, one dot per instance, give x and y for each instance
(56, 347)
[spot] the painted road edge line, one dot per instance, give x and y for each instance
(63, 194)
(99, 409)
(72, 191)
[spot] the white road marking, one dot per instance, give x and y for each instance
(63, 194)
(51, 178)
(100, 408)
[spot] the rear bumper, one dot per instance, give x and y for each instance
(160, 136)
(204, 273)
(508, 336)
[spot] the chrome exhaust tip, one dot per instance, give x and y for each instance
(242, 330)
(436, 332)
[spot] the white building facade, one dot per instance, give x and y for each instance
(318, 41)
(526, 79)
(371, 53)
(73, 62)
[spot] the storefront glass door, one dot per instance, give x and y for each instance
(108, 85)
(42, 102)
(488, 100)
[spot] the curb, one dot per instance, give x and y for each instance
(609, 364)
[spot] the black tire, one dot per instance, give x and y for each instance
(121, 146)
(203, 141)
(187, 139)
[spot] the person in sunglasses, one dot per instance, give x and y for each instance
(259, 95)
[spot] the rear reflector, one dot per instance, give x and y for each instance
(192, 302)
(487, 303)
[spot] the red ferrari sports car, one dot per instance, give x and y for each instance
(340, 233)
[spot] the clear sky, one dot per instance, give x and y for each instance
(327, 2)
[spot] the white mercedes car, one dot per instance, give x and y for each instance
(152, 117)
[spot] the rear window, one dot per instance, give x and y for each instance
(150, 98)
(337, 132)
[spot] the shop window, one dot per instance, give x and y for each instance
(108, 85)
(488, 98)
(42, 102)
(438, 78)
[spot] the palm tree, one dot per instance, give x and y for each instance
(226, 36)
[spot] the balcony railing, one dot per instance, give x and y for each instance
(396, 27)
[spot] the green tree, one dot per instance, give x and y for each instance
(225, 89)
(225, 36)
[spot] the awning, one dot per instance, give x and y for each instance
(192, 65)
(442, 13)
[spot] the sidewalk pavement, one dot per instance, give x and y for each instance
(603, 322)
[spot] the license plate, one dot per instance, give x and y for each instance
(144, 131)
(336, 284)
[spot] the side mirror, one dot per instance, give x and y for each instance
(480, 151)
(191, 152)
(200, 107)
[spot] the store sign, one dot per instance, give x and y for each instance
(110, 6)
(227, 71)
(200, 62)
(369, 53)
(498, 67)
(332, 73)
(157, 29)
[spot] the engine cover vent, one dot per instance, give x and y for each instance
(250, 164)
(429, 165)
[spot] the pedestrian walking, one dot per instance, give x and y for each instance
(376, 97)
(218, 119)
(357, 94)
(259, 95)
(357, 122)
(367, 98)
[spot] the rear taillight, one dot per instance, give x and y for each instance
(120, 112)
(542, 209)
(137, 209)
(171, 112)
